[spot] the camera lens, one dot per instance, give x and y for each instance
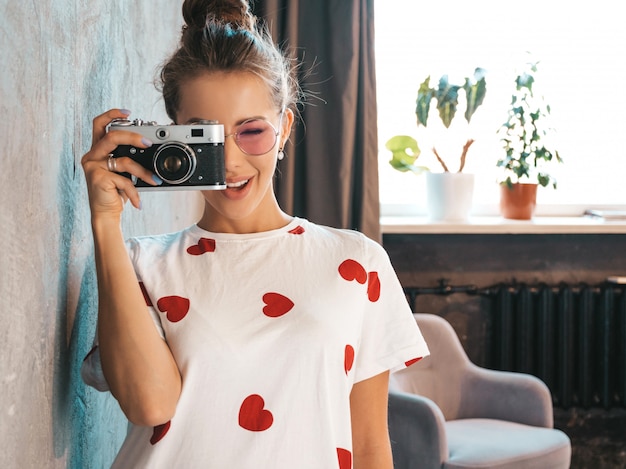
(174, 162)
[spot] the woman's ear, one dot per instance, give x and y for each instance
(286, 125)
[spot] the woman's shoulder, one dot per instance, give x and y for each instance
(158, 242)
(344, 238)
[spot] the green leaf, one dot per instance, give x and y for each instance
(543, 179)
(447, 100)
(525, 80)
(508, 182)
(424, 97)
(475, 91)
(558, 157)
(404, 152)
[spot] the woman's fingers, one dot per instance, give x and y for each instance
(125, 164)
(111, 140)
(100, 123)
(128, 191)
(109, 190)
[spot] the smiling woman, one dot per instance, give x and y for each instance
(579, 50)
(221, 338)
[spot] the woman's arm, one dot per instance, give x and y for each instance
(137, 363)
(371, 448)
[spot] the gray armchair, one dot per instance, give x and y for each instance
(446, 412)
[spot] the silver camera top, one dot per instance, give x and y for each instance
(204, 131)
(128, 122)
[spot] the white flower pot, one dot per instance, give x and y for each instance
(449, 196)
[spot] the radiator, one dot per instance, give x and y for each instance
(573, 337)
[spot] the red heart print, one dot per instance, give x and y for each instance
(373, 286)
(352, 270)
(204, 245)
(253, 416)
(298, 230)
(348, 358)
(345, 458)
(176, 307)
(145, 294)
(276, 305)
(412, 361)
(159, 432)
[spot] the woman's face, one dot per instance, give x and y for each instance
(248, 204)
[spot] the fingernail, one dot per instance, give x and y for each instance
(157, 179)
(126, 112)
(146, 142)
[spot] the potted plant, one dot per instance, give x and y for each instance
(449, 194)
(528, 152)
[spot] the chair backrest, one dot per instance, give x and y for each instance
(440, 375)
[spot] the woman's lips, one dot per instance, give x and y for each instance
(236, 185)
(236, 190)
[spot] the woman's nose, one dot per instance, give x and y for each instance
(233, 156)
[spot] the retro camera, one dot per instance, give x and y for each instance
(183, 156)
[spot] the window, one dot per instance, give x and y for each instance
(582, 74)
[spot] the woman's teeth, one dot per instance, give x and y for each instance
(234, 185)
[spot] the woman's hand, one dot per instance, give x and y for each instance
(108, 191)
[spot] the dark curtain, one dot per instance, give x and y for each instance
(330, 173)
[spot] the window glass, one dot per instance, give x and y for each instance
(579, 47)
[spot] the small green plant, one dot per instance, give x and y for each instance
(405, 149)
(524, 135)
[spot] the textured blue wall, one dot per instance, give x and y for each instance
(62, 63)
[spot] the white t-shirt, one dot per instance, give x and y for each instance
(270, 331)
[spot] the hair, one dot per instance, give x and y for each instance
(224, 36)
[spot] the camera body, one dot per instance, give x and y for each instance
(185, 157)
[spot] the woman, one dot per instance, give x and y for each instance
(274, 336)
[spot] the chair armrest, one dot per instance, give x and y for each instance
(417, 432)
(516, 397)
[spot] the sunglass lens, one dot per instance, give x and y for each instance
(256, 137)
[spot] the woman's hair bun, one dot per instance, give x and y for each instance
(197, 13)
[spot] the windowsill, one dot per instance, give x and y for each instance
(499, 225)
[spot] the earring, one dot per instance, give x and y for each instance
(281, 154)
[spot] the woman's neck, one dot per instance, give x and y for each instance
(216, 223)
